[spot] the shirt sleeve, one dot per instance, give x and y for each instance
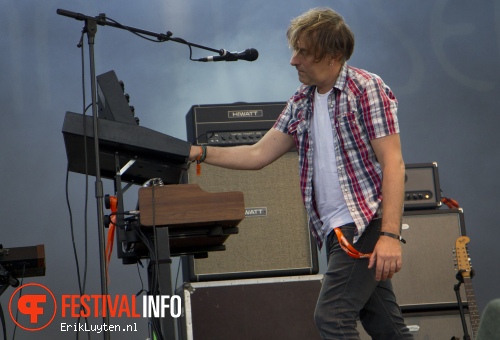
(379, 107)
(283, 120)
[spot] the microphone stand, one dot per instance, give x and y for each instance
(90, 29)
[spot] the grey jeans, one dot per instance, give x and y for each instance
(350, 292)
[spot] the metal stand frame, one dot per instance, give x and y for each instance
(163, 272)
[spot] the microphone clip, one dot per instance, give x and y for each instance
(228, 56)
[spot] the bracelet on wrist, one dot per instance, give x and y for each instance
(397, 237)
(203, 154)
(201, 157)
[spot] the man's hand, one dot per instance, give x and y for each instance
(386, 257)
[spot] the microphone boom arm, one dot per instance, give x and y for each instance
(161, 37)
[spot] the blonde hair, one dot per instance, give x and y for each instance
(324, 31)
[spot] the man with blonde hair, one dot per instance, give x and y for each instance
(343, 123)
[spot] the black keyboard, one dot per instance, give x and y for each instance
(156, 155)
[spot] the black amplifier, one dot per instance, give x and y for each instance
(231, 124)
(422, 189)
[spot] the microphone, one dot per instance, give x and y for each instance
(250, 54)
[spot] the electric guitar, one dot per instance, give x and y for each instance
(465, 270)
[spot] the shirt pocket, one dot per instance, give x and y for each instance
(348, 121)
(350, 132)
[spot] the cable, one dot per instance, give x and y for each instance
(140, 278)
(156, 263)
(6, 280)
(81, 283)
(20, 294)
(156, 41)
(152, 322)
(2, 317)
(72, 231)
(153, 262)
(135, 33)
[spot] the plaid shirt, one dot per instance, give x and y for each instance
(361, 108)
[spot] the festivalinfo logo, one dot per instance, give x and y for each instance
(33, 307)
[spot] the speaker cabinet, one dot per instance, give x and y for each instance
(248, 309)
(428, 276)
(273, 238)
(432, 325)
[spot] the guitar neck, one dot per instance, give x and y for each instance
(472, 305)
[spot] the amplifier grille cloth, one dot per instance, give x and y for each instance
(278, 241)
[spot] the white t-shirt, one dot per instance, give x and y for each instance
(330, 201)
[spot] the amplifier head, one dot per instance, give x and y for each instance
(231, 124)
(422, 189)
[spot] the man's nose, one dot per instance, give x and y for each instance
(294, 59)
